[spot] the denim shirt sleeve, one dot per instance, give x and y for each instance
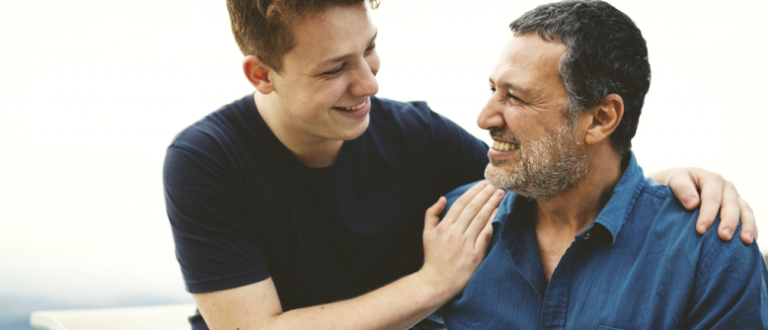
(729, 291)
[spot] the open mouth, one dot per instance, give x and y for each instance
(352, 108)
(504, 146)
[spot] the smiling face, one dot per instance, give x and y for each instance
(327, 79)
(536, 152)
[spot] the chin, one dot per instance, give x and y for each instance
(355, 132)
(501, 176)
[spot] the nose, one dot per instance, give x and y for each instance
(364, 79)
(492, 115)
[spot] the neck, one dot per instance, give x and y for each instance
(570, 212)
(561, 218)
(311, 150)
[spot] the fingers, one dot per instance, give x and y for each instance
(458, 206)
(748, 225)
(486, 214)
(711, 198)
(432, 216)
(479, 208)
(481, 244)
(683, 185)
(729, 212)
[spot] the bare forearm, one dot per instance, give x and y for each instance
(398, 305)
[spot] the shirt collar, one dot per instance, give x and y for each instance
(614, 213)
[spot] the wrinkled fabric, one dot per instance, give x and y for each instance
(639, 265)
(243, 208)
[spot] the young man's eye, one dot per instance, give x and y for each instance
(334, 71)
(493, 89)
(370, 48)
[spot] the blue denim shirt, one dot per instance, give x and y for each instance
(639, 265)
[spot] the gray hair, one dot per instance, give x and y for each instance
(605, 54)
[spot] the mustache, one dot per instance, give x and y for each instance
(501, 134)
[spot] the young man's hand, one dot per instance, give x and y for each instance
(717, 196)
(455, 247)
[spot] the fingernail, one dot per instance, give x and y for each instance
(748, 235)
(728, 232)
(689, 201)
(500, 193)
(702, 228)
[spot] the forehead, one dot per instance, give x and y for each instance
(530, 61)
(337, 31)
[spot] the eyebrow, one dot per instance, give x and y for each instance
(346, 56)
(513, 87)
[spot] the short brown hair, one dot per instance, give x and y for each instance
(261, 27)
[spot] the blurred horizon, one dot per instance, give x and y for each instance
(93, 92)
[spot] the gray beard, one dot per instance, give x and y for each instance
(548, 167)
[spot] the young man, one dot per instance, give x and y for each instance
(301, 206)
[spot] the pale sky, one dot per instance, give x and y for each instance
(92, 92)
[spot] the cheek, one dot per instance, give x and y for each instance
(513, 117)
(522, 123)
(320, 96)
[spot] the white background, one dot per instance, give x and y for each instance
(92, 92)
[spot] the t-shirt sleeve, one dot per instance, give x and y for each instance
(729, 290)
(215, 243)
(460, 158)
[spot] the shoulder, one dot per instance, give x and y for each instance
(658, 215)
(656, 190)
(417, 123)
(211, 135)
(207, 148)
(671, 220)
(391, 107)
(406, 115)
(412, 117)
(658, 201)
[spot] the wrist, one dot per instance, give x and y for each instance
(438, 289)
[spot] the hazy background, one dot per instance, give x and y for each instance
(92, 92)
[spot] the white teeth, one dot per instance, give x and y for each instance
(357, 107)
(504, 146)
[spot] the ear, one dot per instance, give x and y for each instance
(604, 119)
(258, 74)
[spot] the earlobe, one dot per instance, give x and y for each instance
(258, 74)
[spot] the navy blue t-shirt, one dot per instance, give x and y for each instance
(243, 208)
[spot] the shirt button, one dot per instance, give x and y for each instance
(586, 236)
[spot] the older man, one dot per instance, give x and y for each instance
(585, 242)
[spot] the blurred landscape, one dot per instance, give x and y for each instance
(14, 311)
